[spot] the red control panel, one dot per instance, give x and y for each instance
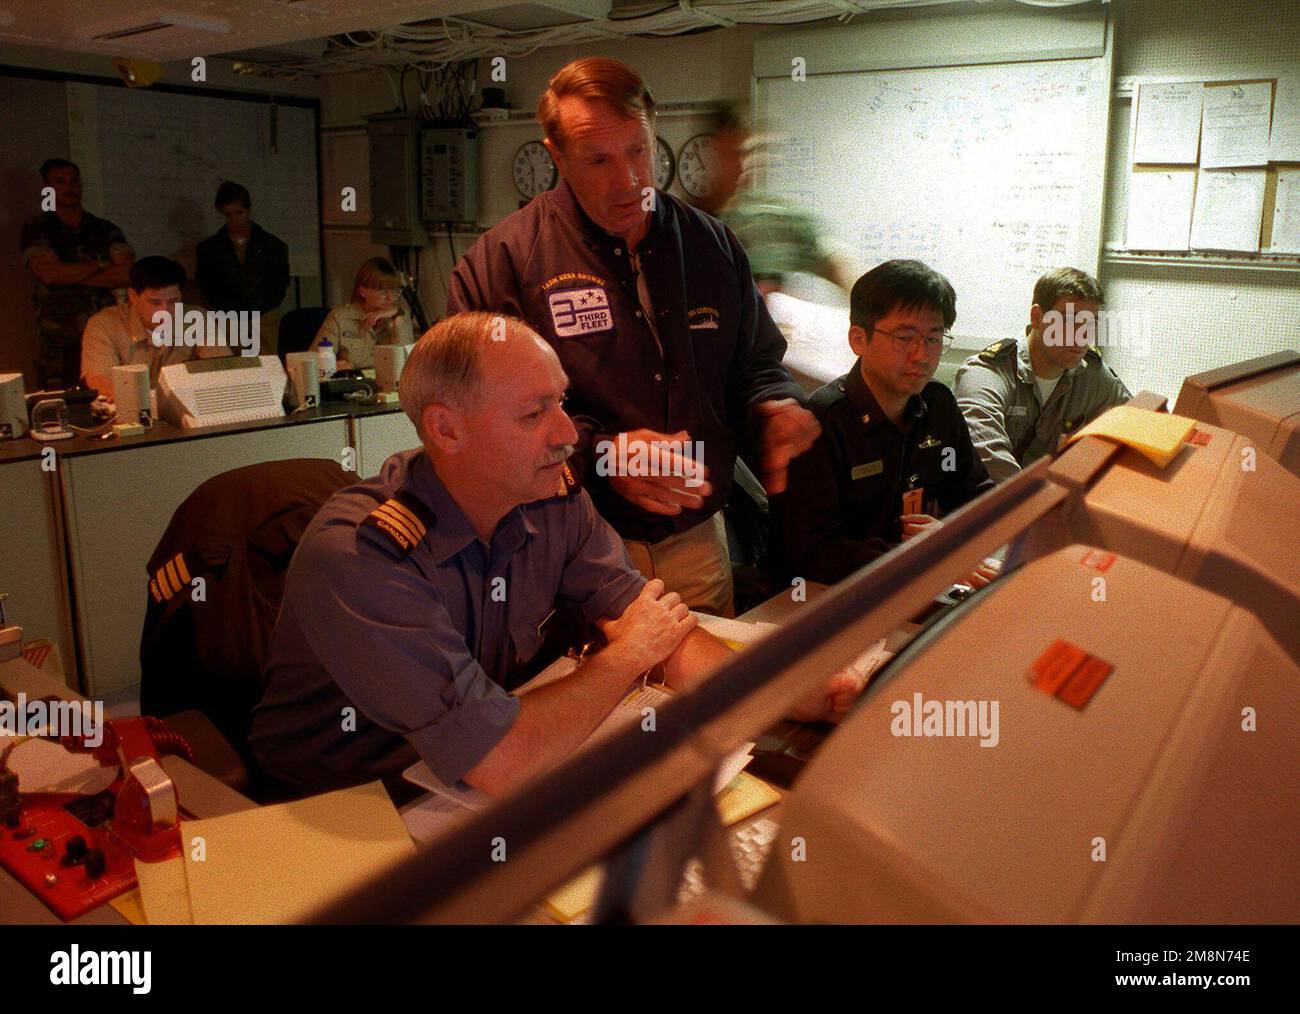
(77, 852)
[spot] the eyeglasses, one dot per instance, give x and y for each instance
(904, 343)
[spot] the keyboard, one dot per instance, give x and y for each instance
(750, 847)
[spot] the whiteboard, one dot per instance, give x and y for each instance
(991, 174)
(152, 161)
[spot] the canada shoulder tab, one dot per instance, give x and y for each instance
(403, 520)
(176, 575)
(569, 484)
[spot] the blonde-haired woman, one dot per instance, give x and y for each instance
(373, 316)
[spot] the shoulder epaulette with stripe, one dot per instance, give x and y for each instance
(171, 578)
(568, 484)
(403, 519)
(997, 348)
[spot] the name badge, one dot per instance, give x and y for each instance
(1017, 410)
(913, 500)
(870, 468)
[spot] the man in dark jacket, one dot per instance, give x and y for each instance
(894, 453)
(674, 363)
(242, 266)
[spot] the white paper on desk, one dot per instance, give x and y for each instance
(44, 765)
(1235, 125)
(736, 631)
(461, 795)
(1229, 209)
(1160, 210)
(1284, 141)
(1168, 122)
(1286, 213)
(428, 819)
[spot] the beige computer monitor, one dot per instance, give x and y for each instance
(1258, 398)
(1197, 815)
(1221, 515)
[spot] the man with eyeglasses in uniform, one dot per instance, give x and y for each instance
(894, 453)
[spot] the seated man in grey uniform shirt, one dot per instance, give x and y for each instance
(1021, 397)
(415, 598)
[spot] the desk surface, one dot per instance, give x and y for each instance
(200, 794)
(26, 448)
(204, 796)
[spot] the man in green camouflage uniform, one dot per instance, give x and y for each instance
(1020, 397)
(78, 259)
(779, 238)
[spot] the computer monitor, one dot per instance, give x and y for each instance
(1221, 515)
(1157, 800)
(216, 392)
(1258, 398)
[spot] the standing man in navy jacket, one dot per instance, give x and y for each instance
(674, 363)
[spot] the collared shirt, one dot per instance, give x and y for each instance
(1011, 426)
(257, 282)
(574, 284)
(354, 342)
(97, 239)
(394, 608)
(117, 337)
(845, 495)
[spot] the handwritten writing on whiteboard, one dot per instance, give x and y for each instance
(979, 171)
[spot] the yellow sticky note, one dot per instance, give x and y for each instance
(743, 797)
(578, 895)
(130, 907)
(1156, 435)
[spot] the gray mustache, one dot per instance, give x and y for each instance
(556, 456)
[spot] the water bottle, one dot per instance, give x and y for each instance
(326, 362)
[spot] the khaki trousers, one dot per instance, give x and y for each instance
(694, 563)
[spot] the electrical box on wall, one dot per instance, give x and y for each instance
(449, 170)
(394, 180)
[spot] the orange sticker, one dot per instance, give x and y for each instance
(1055, 665)
(913, 500)
(1198, 438)
(1098, 559)
(1069, 673)
(1084, 681)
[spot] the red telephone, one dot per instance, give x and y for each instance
(76, 852)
